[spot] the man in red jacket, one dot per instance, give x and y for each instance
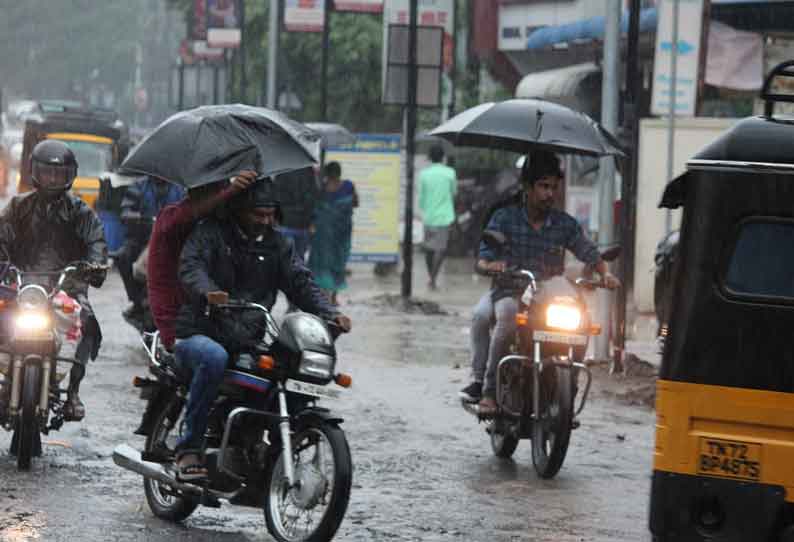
(171, 229)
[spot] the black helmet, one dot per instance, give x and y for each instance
(54, 167)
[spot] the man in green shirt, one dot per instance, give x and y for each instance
(437, 187)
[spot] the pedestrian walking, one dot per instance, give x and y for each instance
(438, 185)
(333, 231)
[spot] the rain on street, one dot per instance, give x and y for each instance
(423, 468)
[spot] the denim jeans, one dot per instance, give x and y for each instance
(488, 348)
(207, 359)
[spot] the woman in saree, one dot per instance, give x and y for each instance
(333, 230)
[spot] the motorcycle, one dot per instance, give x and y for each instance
(36, 320)
(268, 444)
(537, 382)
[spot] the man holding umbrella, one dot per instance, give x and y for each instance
(539, 236)
(244, 257)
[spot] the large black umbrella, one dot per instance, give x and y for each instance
(215, 142)
(522, 125)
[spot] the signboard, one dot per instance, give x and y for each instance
(223, 23)
(365, 6)
(428, 62)
(198, 20)
(373, 164)
(690, 27)
(304, 15)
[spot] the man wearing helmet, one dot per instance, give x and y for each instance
(243, 257)
(49, 228)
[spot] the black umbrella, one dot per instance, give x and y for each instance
(215, 142)
(522, 125)
(332, 135)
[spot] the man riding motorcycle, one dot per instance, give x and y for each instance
(47, 229)
(244, 257)
(538, 235)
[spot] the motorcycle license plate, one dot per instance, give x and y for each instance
(729, 459)
(311, 389)
(562, 338)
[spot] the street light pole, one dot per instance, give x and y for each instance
(272, 54)
(410, 132)
(324, 61)
(668, 219)
(609, 118)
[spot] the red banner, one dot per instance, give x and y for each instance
(363, 6)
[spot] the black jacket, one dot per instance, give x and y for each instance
(218, 257)
(48, 234)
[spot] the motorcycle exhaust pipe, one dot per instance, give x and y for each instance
(128, 458)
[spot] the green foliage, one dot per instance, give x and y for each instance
(49, 47)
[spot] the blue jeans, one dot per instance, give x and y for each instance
(489, 348)
(207, 359)
(300, 239)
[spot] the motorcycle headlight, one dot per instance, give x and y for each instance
(566, 317)
(32, 296)
(32, 321)
(316, 365)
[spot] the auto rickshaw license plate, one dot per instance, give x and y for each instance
(729, 459)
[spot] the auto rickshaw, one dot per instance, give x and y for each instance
(724, 450)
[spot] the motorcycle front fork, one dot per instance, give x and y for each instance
(286, 436)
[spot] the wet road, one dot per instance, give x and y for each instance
(423, 467)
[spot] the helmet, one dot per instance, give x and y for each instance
(54, 167)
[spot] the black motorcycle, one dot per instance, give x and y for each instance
(268, 444)
(31, 400)
(537, 382)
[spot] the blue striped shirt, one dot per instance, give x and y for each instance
(540, 251)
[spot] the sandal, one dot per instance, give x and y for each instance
(190, 467)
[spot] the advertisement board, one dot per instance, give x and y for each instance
(373, 164)
(223, 23)
(304, 15)
(364, 6)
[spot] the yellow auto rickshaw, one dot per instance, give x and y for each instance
(93, 137)
(724, 450)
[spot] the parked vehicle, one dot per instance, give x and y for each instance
(537, 383)
(269, 445)
(36, 318)
(664, 259)
(722, 464)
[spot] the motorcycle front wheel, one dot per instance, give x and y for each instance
(164, 501)
(27, 435)
(314, 509)
(551, 430)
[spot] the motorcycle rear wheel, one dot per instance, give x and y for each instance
(27, 432)
(551, 431)
(329, 442)
(164, 501)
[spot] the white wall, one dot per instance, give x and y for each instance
(691, 135)
(551, 13)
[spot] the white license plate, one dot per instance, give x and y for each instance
(562, 338)
(311, 389)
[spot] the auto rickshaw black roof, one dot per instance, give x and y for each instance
(733, 304)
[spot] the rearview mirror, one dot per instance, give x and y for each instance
(494, 239)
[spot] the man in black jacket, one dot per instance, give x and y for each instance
(245, 258)
(47, 230)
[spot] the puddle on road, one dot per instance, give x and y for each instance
(21, 527)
